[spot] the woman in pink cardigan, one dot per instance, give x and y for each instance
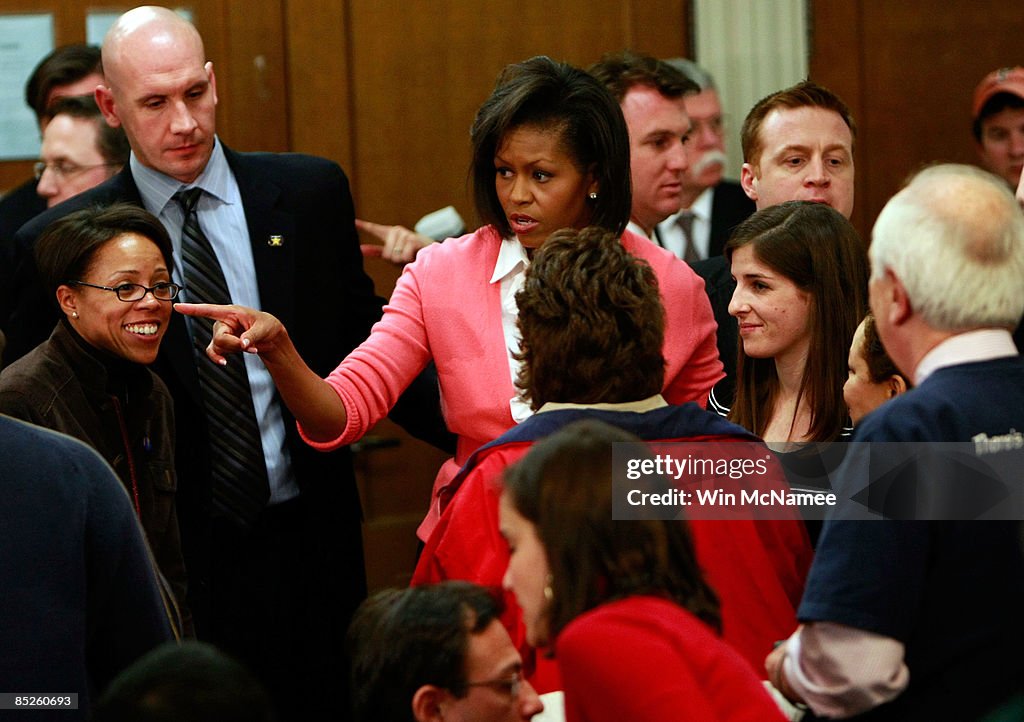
(550, 151)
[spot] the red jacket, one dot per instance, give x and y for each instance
(757, 568)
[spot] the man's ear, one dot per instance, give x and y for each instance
(748, 181)
(896, 385)
(213, 79)
(901, 309)
(105, 101)
(426, 703)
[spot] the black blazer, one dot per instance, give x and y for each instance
(17, 207)
(729, 207)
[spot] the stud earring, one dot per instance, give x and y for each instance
(549, 593)
(593, 195)
(74, 314)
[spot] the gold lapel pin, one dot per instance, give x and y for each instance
(276, 241)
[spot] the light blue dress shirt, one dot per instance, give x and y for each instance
(222, 218)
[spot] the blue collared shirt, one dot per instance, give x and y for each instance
(222, 218)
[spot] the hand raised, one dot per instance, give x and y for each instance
(400, 245)
(237, 329)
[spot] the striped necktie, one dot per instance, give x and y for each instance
(690, 253)
(238, 471)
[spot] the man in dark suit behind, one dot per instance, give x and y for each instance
(717, 205)
(277, 591)
(68, 71)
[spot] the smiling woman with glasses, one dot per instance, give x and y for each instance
(131, 292)
(109, 272)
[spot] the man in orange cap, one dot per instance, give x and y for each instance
(998, 112)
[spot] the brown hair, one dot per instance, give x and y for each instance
(624, 70)
(564, 488)
(112, 143)
(880, 366)
(63, 66)
(819, 250)
(591, 321)
(805, 94)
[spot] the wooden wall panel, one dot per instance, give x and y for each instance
(421, 68)
(908, 69)
(320, 99)
(255, 100)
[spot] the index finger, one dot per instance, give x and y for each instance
(212, 311)
(374, 229)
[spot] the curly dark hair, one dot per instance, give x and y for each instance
(880, 366)
(591, 321)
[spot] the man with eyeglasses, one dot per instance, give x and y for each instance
(436, 652)
(711, 206)
(69, 70)
(79, 150)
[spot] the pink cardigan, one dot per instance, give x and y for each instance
(445, 308)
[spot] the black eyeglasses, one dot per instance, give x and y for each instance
(66, 169)
(506, 685)
(131, 292)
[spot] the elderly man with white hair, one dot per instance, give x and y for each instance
(917, 619)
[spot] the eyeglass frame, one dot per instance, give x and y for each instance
(40, 166)
(513, 685)
(145, 289)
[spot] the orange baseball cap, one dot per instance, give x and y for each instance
(1004, 80)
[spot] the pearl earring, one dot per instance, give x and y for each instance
(74, 314)
(593, 195)
(549, 593)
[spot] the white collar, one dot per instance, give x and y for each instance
(510, 255)
(635, 228)
(702, 206)
(158, 189)
(638, 407)
(982, 345)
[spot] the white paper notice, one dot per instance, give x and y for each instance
(24, 40)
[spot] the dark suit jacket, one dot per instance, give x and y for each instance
(729, 207)
(17, 207)
(719, 286)
(313, 280)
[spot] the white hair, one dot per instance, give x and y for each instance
(954, 236)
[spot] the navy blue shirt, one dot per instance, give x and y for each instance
(951, 591)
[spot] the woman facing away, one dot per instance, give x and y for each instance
(109, 270)
(621, 605)
(584, 291)
(550, 151)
